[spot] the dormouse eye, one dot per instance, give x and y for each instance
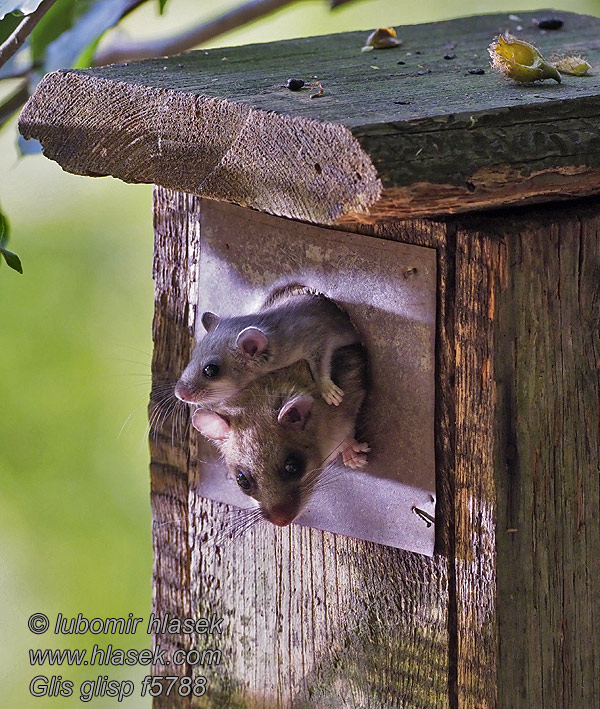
(243, 481)
(210, 370)
(293, 467)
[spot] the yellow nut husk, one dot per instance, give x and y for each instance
(571, 64)
(520, 60)
(383, 38)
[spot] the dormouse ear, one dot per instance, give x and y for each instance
(295, 412)
(252, 341)
(210, 320)
(210, 425)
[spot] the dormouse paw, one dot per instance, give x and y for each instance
(332, 394)
(355, 455)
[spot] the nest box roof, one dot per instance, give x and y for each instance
(406, 131)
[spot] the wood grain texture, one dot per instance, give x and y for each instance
(548, 534)
(420, 138)
(312, 619)
(478, 262)
(175, 304)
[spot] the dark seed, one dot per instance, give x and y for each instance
(294, 84)
(476, 71)
(549, 23)
(400, 62)
(402, 103)
(449, 56)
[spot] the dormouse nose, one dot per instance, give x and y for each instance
(281, 515)
(184, 392)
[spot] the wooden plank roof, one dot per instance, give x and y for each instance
(402, 131)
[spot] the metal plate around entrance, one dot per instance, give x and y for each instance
(389, 290)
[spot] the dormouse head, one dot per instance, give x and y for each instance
(222, 362)
(273, 459)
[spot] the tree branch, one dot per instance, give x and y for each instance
(125, 50)
(24, 29)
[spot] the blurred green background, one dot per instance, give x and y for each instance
(75, 344)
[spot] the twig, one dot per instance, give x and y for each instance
(125, 50)
(23, 30)
(121, 50)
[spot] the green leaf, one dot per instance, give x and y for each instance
(8, 25)
(86, 57)
(3, 229)
(161, 6)
(11, 259)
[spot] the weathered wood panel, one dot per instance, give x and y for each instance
(416, 135)
(478, 262)
(312, 619)
(175, 303)
(548, 534)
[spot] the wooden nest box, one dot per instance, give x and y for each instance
(456, 215)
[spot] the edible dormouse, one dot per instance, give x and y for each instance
(293, 324)
(277, 435)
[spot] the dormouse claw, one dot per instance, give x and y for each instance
(355, 455)
(331, 393)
